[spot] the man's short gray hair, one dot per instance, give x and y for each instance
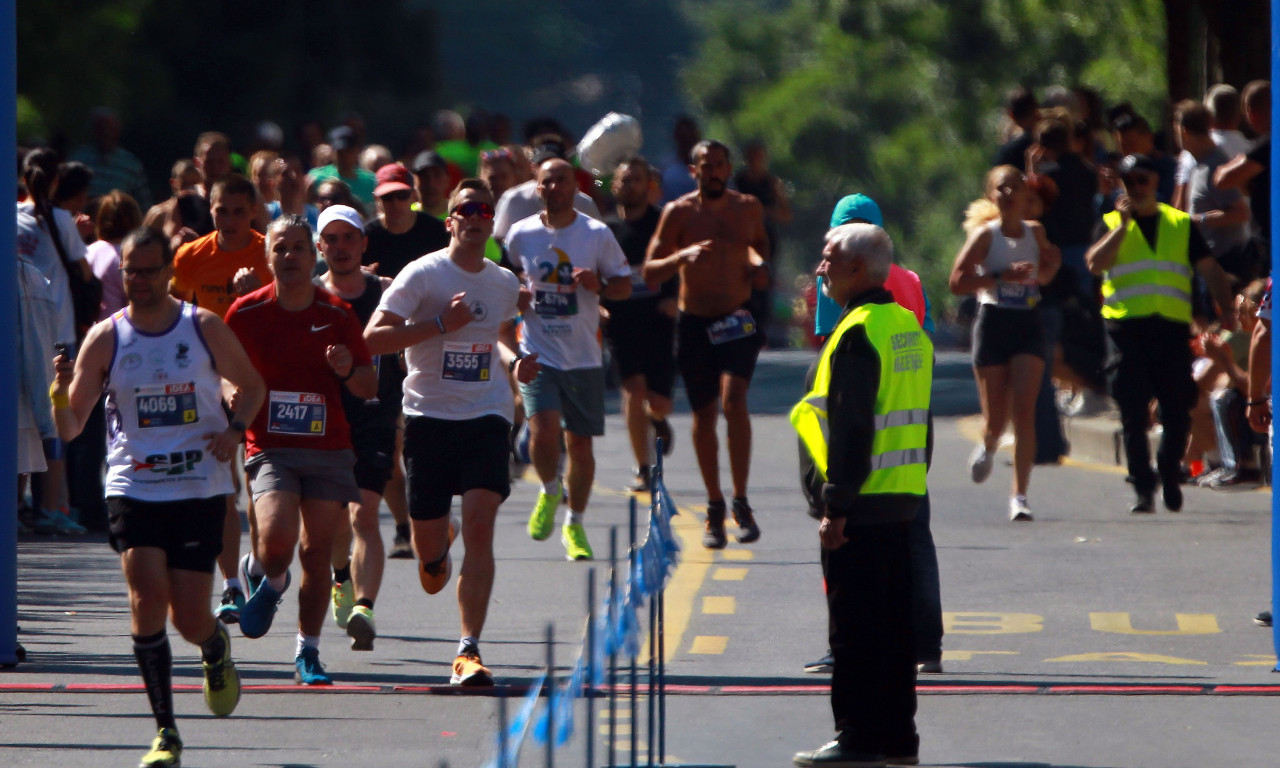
(867, 243)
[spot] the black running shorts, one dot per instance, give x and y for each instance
(189, 530)
(443, 459)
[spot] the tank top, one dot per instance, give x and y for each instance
(163, 397)
(1004, 251)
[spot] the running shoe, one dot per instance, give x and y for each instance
(713, 537)
(1143, 503)
(745, 519)
(343, 597)
(822, 666)
(260, 609)
(361, 629)
(469, 671)
(641, 483)
(52, 522)
(980, 462)
(401, 547)
(166, 750)
(1018, 510)
(228, 610)
(1171, 491)
(929, 668)
(1238, 480)
(543, 517)
(435, 575)
(1263, 619)
(221, 680)
(309, 670)
(662, 429)
(574, 538)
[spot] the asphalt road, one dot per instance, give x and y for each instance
(1086, 638)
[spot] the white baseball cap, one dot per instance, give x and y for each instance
(339, 213)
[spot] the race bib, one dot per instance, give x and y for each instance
(739, 325)
(468, 363)
(639, 288)
(166, 405)
(1021, 295)
(551, 300)
(296, 413)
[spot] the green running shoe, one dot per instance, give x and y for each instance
(166, 750)
(361, 629)
(574, 538)
(221, 680)
(344, 599)
(543, 517)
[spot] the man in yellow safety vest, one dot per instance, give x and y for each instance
(865, 426)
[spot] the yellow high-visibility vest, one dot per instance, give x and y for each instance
(898, 450)
(1143, 283)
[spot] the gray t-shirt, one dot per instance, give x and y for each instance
(1203, 197)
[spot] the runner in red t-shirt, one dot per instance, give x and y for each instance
(307, 344)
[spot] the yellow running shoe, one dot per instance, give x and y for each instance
(166, 750)
(574, 538)
(361, 629)
(344, 599)
(543, 517)
(221, 680)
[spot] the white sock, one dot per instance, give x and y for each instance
(572, 518)
(232, 583)
(551, 488)
(253, 567)
(307, 641)
(278, 583)
(468, 642)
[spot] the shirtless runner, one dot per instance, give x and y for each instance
(715, 239)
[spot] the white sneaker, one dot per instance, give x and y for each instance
(1018, 510)
(980, 462)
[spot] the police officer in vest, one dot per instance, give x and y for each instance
(864, 426)
(1146, 255)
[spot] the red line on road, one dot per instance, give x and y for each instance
(1126, 689)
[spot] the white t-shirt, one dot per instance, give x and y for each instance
(1231, 142)
(459, 375)
(522, 201)
(563, 322)
(37, 246)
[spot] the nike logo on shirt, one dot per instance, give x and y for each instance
(320, 327)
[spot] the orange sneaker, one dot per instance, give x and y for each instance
(468, 670)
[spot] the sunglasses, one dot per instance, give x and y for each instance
(399, 195)
(146, 273)
(490, 155)
(473, 208)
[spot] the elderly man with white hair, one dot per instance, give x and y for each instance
(865, 426)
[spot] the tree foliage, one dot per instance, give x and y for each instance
(902, 99)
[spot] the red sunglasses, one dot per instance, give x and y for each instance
(473, 208)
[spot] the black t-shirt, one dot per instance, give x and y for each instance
(380, 413)
(1260, 186)
(1013, 152)
(393, 252)
(634, 237)
(1149, 226)
(1069, 219)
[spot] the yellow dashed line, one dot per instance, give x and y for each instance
(737, 554)
(709, 644)
(728, 574)
(719, 605)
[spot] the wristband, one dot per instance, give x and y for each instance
(238, 426)
(440, 325)
(511, 366)
(60, 400)
(350, 373)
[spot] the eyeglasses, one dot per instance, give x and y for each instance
(473, 208)
(146, 273)
(400, 195)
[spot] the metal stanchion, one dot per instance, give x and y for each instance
(662, 679)
(653, 644)
(613, 654)
(635, 710)
(502, 727)
(551, 689)
(590, 659)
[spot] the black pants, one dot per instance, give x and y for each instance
(873, 682)
(1152, 359)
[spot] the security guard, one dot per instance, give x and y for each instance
(864, 429)
(1146, 257)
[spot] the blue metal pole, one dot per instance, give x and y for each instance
(8, 345)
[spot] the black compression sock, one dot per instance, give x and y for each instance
(155, 662)
(402, 530)
(366, 602)
(213, 649)
(342, 575)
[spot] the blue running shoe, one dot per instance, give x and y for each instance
(309, 669)
(228, 611)
(260, 609)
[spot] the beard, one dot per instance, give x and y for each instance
(712, 190)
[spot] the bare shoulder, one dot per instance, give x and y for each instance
(749, 203)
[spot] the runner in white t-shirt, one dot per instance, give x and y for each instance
(569, 262)
(448, 310)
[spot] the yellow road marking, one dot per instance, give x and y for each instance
(737, 554)
(1188, 624)
(728, 574)
(719, 605)
(709, 644)
(1152, 658)
(968, 655)
(1262, 661)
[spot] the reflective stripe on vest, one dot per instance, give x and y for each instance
(901, 415)
(1143, 283)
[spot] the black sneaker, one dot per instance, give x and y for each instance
(1263, 619)
(833, 754)
(746, 521)
(662, 429)
(713, 537)
(822, 666)
(1144, 503)
(228, 611)
(401, 547)
(1171, 490)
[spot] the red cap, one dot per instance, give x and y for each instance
(392, 177)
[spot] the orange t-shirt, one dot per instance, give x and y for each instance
(204, 271)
